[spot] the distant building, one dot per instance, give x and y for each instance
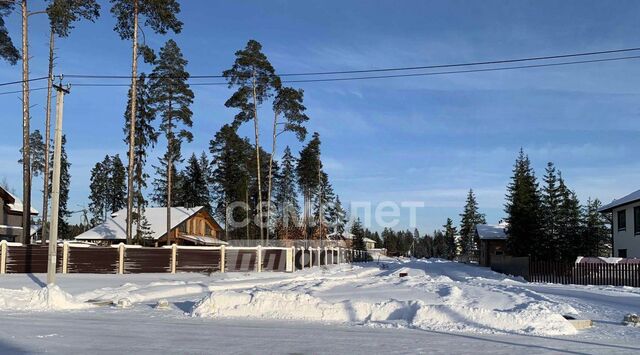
(189, 226)
(347, 238)
(625, 226)
(493, 241)
(11, 217)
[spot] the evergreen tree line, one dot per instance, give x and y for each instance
(549, 222)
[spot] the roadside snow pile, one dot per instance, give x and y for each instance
(533, 318)
(50, 298)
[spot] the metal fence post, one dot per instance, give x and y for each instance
(3, 257)
(65, 257)
(121, 258)
(174, 256)
(222, 258)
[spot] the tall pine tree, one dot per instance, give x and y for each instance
(450, 240)
(286, 195)
(172, 99)
(308, 169)
(255, 79)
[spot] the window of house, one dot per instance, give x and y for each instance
(636, 220)
(622, 220)
(622, 253)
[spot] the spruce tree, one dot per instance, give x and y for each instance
(37, 153)
(308, 170)
(231, 176)
(549, 244)
(596, 233)
(358, 236)
(117, 190)
(194, 190)
(323, 204)
(160, 15)
(524, 210)
(569, 223)
(338, 218)
(286, 195)
(439, 245)
(98, 204)
(450, 240)
(470, 218)
(255, 80)
(172, 99)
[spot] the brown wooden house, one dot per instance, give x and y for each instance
(493, 241)
(189, 226)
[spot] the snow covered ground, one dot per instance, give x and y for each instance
(440, 307)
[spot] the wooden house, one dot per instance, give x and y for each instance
(11, 217)
(189, 226)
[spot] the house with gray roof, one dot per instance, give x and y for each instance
(625, 226)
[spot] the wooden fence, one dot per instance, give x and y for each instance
(128, 259)
(584, 274)
(621, 274)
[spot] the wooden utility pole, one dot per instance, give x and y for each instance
(132, 121)
(26, 151)
(55, 185)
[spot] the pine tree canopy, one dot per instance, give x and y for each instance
(63, 13)
(8, 51)
(160, 15)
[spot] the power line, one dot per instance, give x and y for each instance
(404, 75)
(22, 81)
(438, 66)
(424, 67)
(377, 76)
(20, 91)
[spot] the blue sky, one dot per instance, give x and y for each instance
(425, 139)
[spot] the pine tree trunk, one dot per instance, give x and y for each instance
(132, 120)
(169, 163)
(47, 134)
(26, 151)
(257, 134)
(273, 151)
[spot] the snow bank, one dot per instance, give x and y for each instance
(45, 299)
(533, 318)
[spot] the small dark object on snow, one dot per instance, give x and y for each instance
(631, 319)
(403, 274)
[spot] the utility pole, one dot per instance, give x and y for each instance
(55, 182)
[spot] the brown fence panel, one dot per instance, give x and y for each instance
(30, 259)
(143, 260)
(198, 260)
(93, 260)
(240, 260)
(585, 274)
(274, 260)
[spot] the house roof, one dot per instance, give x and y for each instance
(491, 231)
(630, 198)
(114, 228)
(347, 236)
(202, 240)
(13, 203)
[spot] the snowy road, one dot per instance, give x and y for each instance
(441, 307)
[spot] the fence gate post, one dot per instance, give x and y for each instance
(222, 257)
(65, 257)
(174, 256)
(3, 257)
(121, 258)
(288, 262)
(259, 258)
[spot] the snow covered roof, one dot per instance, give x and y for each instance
(13, 203)
(5, 229)
(630, 198)
(115, 226)
(202, 240)
(605, 260)
(491, 231)
(344, 235)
